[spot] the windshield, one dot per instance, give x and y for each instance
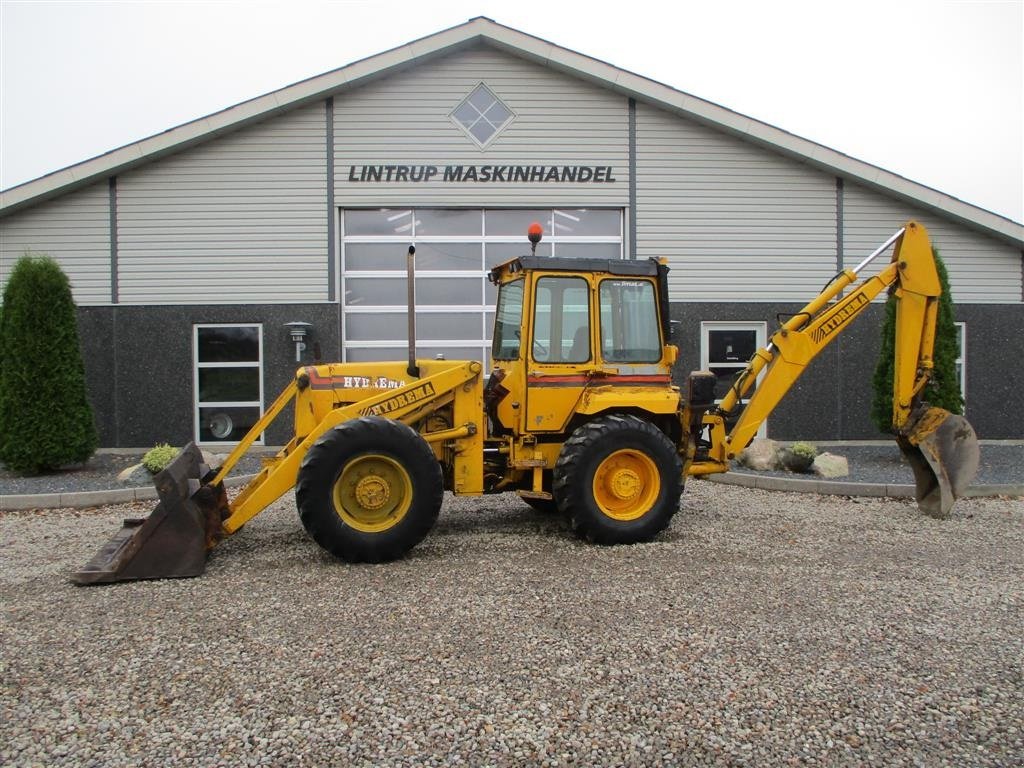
(507, 319)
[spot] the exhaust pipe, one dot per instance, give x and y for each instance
(410, 271)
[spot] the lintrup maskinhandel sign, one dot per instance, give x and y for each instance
(457, 174)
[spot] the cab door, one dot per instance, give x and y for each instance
(561, 351)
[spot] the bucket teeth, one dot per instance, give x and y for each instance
(172, 542)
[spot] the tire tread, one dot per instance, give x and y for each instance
(320, 467)
(574, 494)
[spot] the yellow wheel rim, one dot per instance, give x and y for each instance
(626, 485)
(372, 493)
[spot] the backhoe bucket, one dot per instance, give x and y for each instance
(171, 542)
(943, 452)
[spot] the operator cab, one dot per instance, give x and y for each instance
(630, 312)
(563, 325)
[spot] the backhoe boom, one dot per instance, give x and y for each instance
(912, 274)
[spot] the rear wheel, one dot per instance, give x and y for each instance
(619, 478)
(369, 490)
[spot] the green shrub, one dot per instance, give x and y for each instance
(805, 450)
(45, 417)
(943, 389)
(158, 457)
(797, 457)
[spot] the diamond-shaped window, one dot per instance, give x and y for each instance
(482, 115)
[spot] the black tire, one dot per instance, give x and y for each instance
(619, 479)
(369, 490)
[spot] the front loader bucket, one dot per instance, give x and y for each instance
(171, 542)
(943, 452)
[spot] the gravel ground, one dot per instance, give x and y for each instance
(761, 629)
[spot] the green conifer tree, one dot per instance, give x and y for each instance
(45, 417)
(943, 390)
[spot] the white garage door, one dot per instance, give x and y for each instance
(454, 251)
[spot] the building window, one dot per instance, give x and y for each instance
(961, 369)
(725, 350)
(228, 381)
(455, 249)
(482, 115)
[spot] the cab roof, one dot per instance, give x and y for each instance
(621, 267)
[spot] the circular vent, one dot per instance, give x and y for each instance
(221, 426)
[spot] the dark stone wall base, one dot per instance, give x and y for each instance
(139, 367)
(832, 400)
(139, 364)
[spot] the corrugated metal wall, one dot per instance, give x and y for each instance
(74, 230)
(405, 119)
(737, 222)
(244, 217)
(981, 270)
(241, 218)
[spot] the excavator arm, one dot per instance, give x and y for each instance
(941, 447)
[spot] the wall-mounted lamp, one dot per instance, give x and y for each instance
(298, 331)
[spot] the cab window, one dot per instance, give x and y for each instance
(629, 322)
(561, 320)
(507, 320)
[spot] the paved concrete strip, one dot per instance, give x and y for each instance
(799, 485)
(82, 499)
(842, 488)
(995, 490)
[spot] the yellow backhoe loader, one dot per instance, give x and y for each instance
(578, 415)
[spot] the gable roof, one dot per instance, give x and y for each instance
(484, 30)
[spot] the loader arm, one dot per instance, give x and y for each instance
(912, 274)
(194, 513)
(413, 400)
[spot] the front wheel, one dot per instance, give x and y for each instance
(369, 490)
(619, 479)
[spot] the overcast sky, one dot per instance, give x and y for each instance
(933, 91)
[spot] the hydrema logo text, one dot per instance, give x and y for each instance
(838, 317)
(421, 392)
